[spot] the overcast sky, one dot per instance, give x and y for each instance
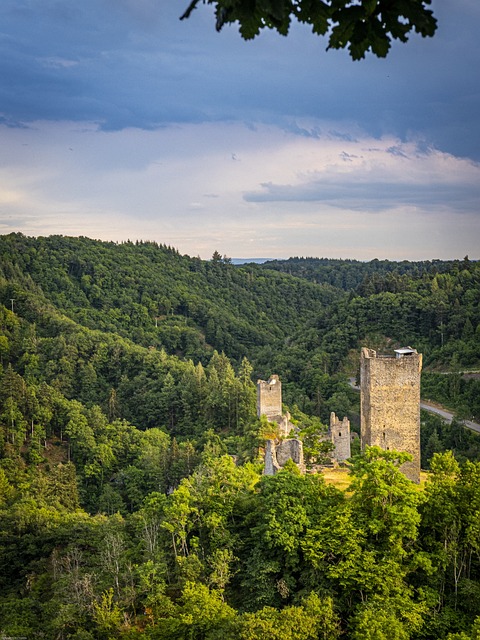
(118, 121)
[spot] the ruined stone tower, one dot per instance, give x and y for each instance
(339, 432)
(269, 398)
(278, 451)
(390, 403)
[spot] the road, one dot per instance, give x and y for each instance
(448, 416)
(441, 411)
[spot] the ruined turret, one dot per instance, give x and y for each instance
(339, 432)
(269, 398)
(278, 451)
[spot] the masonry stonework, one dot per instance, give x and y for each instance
(390, 404)
(278, 451)
(277, 454)
(339, 432)
(269, 397)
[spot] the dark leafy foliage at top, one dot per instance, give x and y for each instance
(359, 25)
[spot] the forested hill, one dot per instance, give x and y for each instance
(155, 296)
(306, 326)
(132, 501)
(351, 275)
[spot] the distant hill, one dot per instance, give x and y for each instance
(154, 296)
(350, 274)
(303, 318)
(238, 261)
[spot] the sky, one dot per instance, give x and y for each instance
(119, 121)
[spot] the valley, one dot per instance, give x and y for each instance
(133, 502)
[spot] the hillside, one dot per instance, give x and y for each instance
(154, 296)
(304, 331)
(132, 501)
(349, 275)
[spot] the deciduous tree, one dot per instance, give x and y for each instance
(369, 25)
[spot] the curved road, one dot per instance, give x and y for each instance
(427, 406)
(448, 416)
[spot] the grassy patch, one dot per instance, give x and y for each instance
(340, 478)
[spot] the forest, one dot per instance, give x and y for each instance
(132, 499)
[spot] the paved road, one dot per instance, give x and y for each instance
(448, 416)
(444, 413)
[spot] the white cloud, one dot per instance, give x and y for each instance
(55, 62)
(380, 177)
(199, 187)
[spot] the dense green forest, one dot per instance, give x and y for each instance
(132, 501)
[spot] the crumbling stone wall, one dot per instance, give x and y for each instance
(291, 449)
(271, 465)
(339, 432)
(390, 404)
(277, 454)
(269, 404)
(269, 398)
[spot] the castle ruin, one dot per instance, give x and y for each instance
(269, 404)
(339, 433)
(269, 398)
(390, 404)
(278, 451)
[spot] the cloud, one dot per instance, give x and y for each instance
(382, 178)
(397, 151)
(57, 63)
(118, 120)
(133, 63)
(373, 196)
(179, 185)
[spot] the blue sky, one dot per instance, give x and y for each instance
(117, 121)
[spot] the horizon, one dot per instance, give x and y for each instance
(119, 120)
(238, 260)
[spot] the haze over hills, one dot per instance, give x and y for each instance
(239, 261)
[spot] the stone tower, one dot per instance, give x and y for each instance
(269, 398)
(340, 433)
(278, 451)
(390, 403)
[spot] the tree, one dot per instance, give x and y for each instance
(79, 433)
(277, 554)
(313, 619)
(372, 543)
(359, 26)
(202, 615)
(106, 613)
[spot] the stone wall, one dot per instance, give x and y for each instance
(340, 434)
(390, 404)
(291, 449)
(271, 465)
(269, 397)
(277, 454)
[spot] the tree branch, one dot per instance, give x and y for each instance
(191, 7)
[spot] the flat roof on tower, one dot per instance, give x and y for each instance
(405, 350)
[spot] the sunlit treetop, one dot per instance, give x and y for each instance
(359, 25)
